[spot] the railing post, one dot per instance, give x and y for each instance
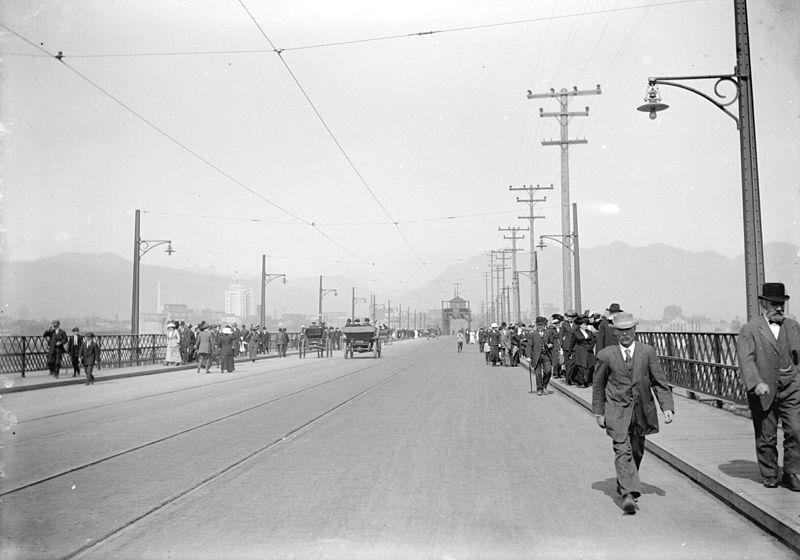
(153, 356)
(693, 366)
(119, 351)
(24, 352)
(717, 371)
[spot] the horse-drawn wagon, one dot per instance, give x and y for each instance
(361, 339)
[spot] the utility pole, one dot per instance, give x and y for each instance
(486, 276)
(503, 256)
(531, 217)
(492, 315)
(514, 277)
(563, 117)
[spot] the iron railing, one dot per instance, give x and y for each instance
(23, 354)
(700, 363)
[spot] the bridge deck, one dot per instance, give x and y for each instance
(711, 446)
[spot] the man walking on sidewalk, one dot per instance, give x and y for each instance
(769, 355)
(627, 374)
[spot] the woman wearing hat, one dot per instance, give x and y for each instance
(769, 355)
(226, 342)
(173, 355)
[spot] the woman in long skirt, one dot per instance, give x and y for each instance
(173, 346)
(226, 342)
(252, 344)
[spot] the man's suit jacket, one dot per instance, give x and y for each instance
(757, 351)
(56, 339)
(90, 353)
(615, 391)
(605, 335)
(73, 349)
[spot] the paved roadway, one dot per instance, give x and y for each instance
(423, 453)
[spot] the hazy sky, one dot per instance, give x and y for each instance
(370, 148)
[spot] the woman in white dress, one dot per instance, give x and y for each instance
(173, 346)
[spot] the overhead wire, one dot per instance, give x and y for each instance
(336, 141)
(373, 39)
(192, 152)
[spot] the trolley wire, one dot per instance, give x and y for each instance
(338, 144)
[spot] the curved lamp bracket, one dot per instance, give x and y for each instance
(719, 96)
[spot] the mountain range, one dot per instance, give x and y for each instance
(644, 280)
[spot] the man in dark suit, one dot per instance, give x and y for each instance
(90, 357)
(627, 374)
(605, 332)
(56, 340)
(769, 353)
(541, 354)
(74, 349)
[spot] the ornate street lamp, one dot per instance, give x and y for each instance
(745, 123)
(140, 248)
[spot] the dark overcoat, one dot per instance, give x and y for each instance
(615, 391)
(757, 351)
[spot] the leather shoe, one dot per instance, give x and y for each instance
(628, 504)
(771, 482)
(791, 481)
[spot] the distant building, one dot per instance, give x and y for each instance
(240, 302)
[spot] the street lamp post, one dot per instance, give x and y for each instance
(266, 279)
(745, 123)
(140, 249)
(570, 242)
(322, 294)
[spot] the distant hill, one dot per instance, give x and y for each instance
(644, 280)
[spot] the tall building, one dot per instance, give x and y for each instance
(239, 301)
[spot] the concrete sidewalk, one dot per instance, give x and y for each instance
(716, 449)
(12, 383)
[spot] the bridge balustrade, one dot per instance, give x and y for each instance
(700, 362)
(25, 354)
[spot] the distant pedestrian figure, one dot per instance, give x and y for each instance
(173, 355)
(622, 401)
(90, 357)
(56, 342)
(460, 340)
(253, 343)
(493, 342)
(74, 351)
(769, 356)
(227, 345)
(541, 360)
(204, 346)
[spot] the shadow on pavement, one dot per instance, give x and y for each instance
(740, 468)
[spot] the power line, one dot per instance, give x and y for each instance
(370, 39)
(195, 154)
(338, 144)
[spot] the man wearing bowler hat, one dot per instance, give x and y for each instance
(626, 376)
(769, 353)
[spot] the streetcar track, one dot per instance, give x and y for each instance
(184, 431)
(211, 478)
(154, 395)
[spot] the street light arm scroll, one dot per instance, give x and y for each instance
(148, 245)
(731, 78)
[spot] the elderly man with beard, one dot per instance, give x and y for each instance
(769, 353)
